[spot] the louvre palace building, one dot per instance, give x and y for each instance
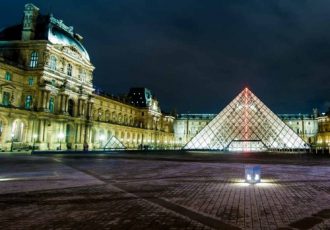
(48, 102)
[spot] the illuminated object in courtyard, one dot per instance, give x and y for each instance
(113, 143)
(252, 174)
(246, 124)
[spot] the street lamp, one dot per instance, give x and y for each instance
(12, 142)
(60, 137)
(34, 140)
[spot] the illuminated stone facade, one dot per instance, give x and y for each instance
(186, 126)
(47, 96)
(305, 125)
(323, 136)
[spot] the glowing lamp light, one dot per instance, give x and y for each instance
(60, 136)
(252, 174)
(102, 137)
(256, 177)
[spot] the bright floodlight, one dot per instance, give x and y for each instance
(252, 174)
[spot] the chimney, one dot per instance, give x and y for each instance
(29, 22)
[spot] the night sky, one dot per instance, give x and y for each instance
(196, 56)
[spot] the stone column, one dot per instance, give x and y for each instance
(66, 103)
(78, 133)
(89, 109)
(40, 130)
(81, 103)
(61, 103)
(45, 98)
(40, 100)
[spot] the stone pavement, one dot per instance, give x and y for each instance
(113, 193)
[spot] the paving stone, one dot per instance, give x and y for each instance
(115, 193)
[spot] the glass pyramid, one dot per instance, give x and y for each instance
(113, 144)
(246, 124)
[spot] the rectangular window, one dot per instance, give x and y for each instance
(8, 76)
(51, 105)
(28, 102)
(34, 59)
(6, 99)
(30, 81)
(52, 62)
(69, 70)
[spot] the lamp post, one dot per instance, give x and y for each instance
(252, 174)
(12, 142)
(34, 140)
(60, 137)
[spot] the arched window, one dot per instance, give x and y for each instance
(6, 98)
(71, 107)
(17, 130)
(99, 115)
(52, 63)
(34, 59)
(114, 117)
(28, 102)
(107, 116)
(1, 127)
(69, 70)
(51, 105)
(8, 76)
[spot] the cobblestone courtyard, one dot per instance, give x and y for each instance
(137, 191)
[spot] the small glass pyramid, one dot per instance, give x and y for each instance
(113, 144)
(246, 124)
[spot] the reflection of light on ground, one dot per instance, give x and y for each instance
(241, 184)
(58, 159)
(263, 183)
(8, 179)
(266, 183)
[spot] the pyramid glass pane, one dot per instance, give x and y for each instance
(113, 143)
(246, 124)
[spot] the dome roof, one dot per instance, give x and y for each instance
(47, 28)
(59, 36)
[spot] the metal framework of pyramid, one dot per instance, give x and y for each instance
(114, 144)
(246, 124)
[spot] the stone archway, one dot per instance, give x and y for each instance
(3, 130)
(70, 136)
(71, 105)
(18, 130)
